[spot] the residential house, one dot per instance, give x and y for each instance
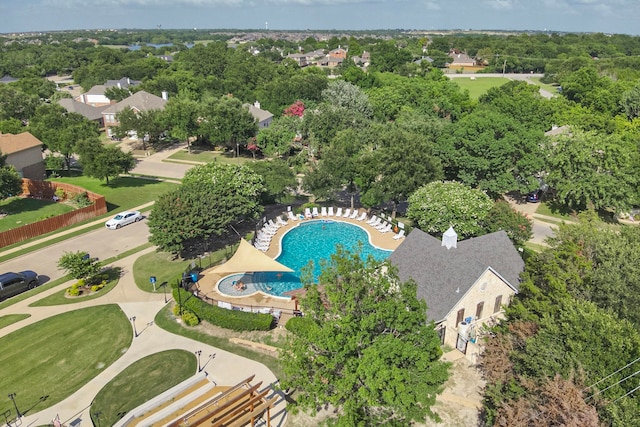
(460, 60)
(300, 58)
(139, 101)
(8, 79)
(263, 117)
(362, 61)
(336, 57)
(89, 111)
(96, 95)
(24, 152)
(464, 283)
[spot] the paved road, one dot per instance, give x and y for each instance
(102, 243)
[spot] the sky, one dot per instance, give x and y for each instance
(607, 16)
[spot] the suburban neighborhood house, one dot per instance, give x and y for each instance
(263, 117)
(24, 152)
(88, 111)
(96, 97)
(139, 101)
(465, 284)
(460, 60)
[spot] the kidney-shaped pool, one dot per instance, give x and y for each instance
(309, 241)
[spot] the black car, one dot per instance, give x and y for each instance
(12, 284)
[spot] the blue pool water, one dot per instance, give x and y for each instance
(309, 241)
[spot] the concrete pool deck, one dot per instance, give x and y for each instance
(207, 284)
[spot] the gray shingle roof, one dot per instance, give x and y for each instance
(439, 272)
(88, 111)
(141, 101)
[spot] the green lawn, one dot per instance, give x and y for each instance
(60, 297)
(480, 85)
(22, 211)
(548, 87)
(165, 320)
(200, 154)
(124, 192)
(46, 362)
(140, 382)
(165, 268)
(10, 319)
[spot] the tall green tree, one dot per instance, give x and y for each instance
(364, 346)
(61, 130)
(103, 162)
(225, 122)
(279, 180)
(10, 181)
(211, 198)
(593, 170)
(401, 164)
(493, 152)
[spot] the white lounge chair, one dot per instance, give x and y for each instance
(362, 216)
(330, 213)
(339, 212)
(381, 226)
(323, 211)
(281, 221)
(314, 212)
(386, 229)
(307, 213)
(292, 216)
(354, 214)
(273, 224)
(372, 219)
(346, 213)
(399, 236)
(376, 223)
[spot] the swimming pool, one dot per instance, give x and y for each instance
(309, 241)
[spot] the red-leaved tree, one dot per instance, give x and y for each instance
(295, 109)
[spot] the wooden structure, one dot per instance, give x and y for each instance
(237, 406)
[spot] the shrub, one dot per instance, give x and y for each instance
(189, 318)
(74, 290)
(81, 199)
(60, 193)
(297, 324)
(96, 288)
(230, 319)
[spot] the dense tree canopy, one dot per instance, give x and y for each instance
(364, 346)
(591, 170)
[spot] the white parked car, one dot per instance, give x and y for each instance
(122, 219)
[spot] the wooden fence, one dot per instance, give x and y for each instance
(46, 190)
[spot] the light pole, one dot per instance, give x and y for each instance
(133, 322)
(12, 396)
(164, 291)
(237, 149)
(198, 353)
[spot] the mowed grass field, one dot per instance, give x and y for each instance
(480, 85)
(46, 362)
(139, 382)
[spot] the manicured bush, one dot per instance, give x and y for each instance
(230, 319)
(189, 318)
(297, 324)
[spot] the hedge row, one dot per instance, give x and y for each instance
(236, 320)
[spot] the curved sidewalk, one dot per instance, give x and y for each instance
(224, 368)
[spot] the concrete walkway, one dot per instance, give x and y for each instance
(222, 367)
